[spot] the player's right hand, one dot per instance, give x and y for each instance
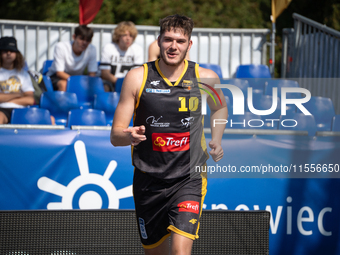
(136, 134)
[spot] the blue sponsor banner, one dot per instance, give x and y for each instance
(72, 169)
(63, 169)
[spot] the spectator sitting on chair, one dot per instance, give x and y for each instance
(16, 89)
(72, 58)
(118, 57)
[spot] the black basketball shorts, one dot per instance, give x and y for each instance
(163, 206)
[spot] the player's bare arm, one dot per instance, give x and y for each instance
(217, 112)
(121, 133)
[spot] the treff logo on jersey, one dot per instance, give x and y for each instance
(171, 141)
(189, 206)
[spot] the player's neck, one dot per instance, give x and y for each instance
(171, 72)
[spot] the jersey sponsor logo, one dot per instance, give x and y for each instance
(142, 228)
(187, 84)
(159, 142)
(186, 122)
(193, 221)
(171, 141)
(153, 122)
(158, 91)
(155, 83)
(189, 206)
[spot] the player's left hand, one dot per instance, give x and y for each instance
(216, 151)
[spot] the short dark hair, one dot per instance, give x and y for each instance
(175, 22)
(84, 32)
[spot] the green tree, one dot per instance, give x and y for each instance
(25, 9)
(213, 13)
(64, 11)
(105, 14)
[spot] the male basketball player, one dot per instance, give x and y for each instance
(168, 140)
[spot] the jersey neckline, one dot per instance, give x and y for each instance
(166, 79)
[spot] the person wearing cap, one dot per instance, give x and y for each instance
(16, 88)
(73, 57)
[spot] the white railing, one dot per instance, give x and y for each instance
(227, 47)
(311, 54)
(310, 50)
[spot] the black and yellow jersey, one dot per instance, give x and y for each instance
(171, 114)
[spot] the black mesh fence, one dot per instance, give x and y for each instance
(83, 232)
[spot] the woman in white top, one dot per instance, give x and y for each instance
(16, 88)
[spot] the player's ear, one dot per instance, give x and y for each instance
(190, 44)
(73, 37)
(159, 41)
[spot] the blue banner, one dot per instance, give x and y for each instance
(296, 178)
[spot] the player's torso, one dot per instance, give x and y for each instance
(171, 114)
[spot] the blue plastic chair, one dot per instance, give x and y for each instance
(86, 117)
(236, 121)
(119, 84)
(257, 75)
(85, 87)
(302, 122)
(216, 68)
(258, 83)
(256, 94)
(253, 71)
(243, 84)
(31, 116)
(323, 111)
(46, 65)
(48, 83)
(240, 83)
(279, 84)
(264, 102)
(336, 123)
(59, 103)
(290, 108)
(107, 102)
